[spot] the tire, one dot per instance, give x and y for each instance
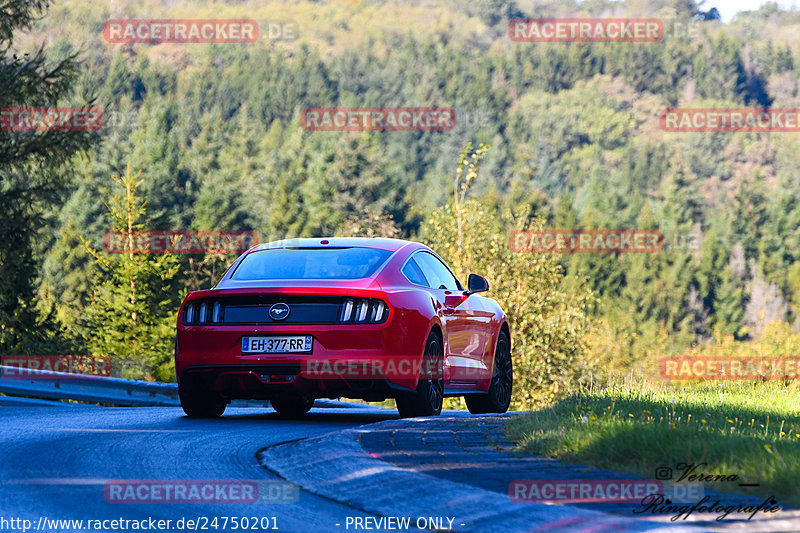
(429, 396)
(198, 404)
(292, 406)
(498, 398)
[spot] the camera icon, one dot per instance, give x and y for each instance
(663, 473)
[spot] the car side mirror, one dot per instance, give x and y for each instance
(476, 283)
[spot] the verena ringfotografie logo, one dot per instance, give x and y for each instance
(180, 31)
(599, 490)
(199, 492)
(586, 30)
(50, 119)
(180, 242)
(730, 120)
(575, 241)
(730, 368)
(378, 118)
(53, 366)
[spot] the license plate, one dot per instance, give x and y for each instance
(294, 344)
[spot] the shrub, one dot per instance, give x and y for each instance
(548, 314)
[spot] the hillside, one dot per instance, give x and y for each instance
(574, 131)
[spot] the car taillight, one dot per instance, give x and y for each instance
(347, 311)
(377, 311)
(362, 310)
(189, 318)
(203, 312)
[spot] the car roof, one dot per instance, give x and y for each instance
(380, 243)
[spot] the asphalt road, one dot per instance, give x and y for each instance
(56, 460)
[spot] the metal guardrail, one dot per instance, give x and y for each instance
(40, 385)
(86, 388)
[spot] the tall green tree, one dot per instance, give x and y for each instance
(549, 321)
(33, 175)
(131, 318)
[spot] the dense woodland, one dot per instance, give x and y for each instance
(574, 136)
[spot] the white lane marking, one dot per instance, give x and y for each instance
(103, 430)
(55, 481)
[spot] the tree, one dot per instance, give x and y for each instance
(156, 147)
(33, 174)
(68, 269)
(548, 321)
(349, 178)
(370, 225)
(131, 316)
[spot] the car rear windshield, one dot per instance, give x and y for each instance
(311, 263)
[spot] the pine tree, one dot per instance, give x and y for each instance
(349, 178)
(131, 316)
(34, 167)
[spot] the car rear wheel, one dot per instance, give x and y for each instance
(292, 406)
(498, 398)
(197, 403)
(428, 398)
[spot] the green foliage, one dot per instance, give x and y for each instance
(548, 321)
(369, 224)
(33, 174)
(131, 317)
(573, 125)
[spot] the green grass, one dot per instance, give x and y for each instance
(751, 430)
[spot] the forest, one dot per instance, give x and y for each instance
(545, 135)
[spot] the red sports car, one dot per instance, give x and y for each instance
(295, 320)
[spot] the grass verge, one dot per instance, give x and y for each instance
(750, 430)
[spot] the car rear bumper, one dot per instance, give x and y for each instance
(346, 360)
(271, 380)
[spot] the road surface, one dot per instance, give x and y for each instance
(56, 460)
